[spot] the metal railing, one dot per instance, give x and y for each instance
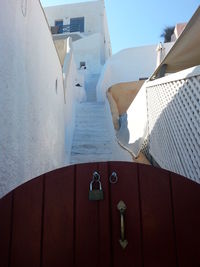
(66, 28)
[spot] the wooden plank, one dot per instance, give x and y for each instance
(186, 201)
(87, 219)
(126, 189)
(157, 217)
(26, 232)
(104, 219)
(58, 238)
(5, 229)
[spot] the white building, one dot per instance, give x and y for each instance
(86, 24)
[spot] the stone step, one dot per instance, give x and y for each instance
(90, 138)
(89, 158)
(90, 130)
(91, 104)
(96, 142)
(101, 147)
(92, 142)
(90, 112)
(91, 108)
(85, 151)
(88, 146)
(80, 143)
(91, 119)
(88, 124)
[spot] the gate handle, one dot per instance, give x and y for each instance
(121, 206)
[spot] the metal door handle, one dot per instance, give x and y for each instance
(121, 206)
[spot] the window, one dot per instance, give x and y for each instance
(59, 24)
(82, 65)
(77, 24)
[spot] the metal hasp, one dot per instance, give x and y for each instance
(113, 178)
(95, 194)
(121, 206)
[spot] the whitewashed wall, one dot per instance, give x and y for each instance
(106, 48)
(72, 95)
(88, 50)
(128, 65)
(137, 121)
(32, 121)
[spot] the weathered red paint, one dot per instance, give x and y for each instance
(49, 221)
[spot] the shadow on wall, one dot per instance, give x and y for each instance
(123, 134)
(174, 125)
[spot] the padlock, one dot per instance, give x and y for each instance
(95, 194)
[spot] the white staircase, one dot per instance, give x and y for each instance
(94, 138)
(90, 85)
(91, 142)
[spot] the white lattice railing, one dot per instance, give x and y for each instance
(173, 104)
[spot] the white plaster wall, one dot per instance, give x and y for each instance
(107, 49)
(88, 49)
(32, 121)
(73, 94)
(91, 11)
(133, 123)
(126, 66)
(137, 121)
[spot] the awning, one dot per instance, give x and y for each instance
(185, 53)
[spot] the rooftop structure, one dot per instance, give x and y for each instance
(177, 31)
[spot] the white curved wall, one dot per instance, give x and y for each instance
(128, 65)
(32, 121)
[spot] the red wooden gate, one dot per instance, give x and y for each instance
(49, 221)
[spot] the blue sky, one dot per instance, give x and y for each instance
(140, 22)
